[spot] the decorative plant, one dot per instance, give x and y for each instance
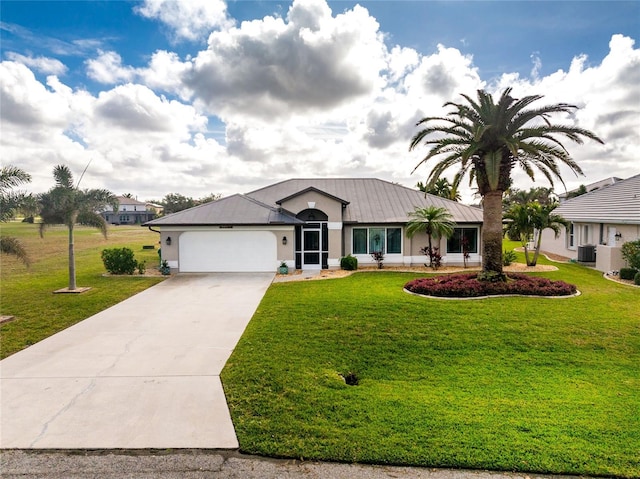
(508, 257)
(435, 258)
(378, 257)
(164, 267)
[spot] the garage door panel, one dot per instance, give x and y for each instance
(227, 251)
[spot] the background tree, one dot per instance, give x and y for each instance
(435, 222)
(10, 202)
(527, 222)
(174, 202)
(581, 190)
(486, 140)
(69, 205)
(540, 194)
(441, 188)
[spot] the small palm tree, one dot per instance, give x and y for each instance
(434, 221)
(527, 221)
(67, 204)
(10, 177)
(486, 140)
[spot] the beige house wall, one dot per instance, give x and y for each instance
(608, 254)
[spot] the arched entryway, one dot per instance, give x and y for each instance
(312, 240)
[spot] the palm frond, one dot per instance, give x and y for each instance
(13, 246)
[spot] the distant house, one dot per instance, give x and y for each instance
(590, 187)
(130, 212)
(311, 224)
(601, 221)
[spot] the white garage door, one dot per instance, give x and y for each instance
(228, 251)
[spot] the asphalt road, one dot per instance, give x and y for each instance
(200, 464)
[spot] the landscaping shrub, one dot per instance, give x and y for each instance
(378, 257)
(349, 263)
(628, 273)
(119, 260)
(508, 257)
(468, 286)
(631, 253)
(435, 258)
(636, 279)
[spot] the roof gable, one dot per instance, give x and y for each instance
(616, 203)
(315, 190)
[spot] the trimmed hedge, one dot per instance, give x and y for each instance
(636, 279)
(468, 286)
(628, 273)
(349, 263)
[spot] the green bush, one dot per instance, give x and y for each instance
(628, 273)
(636, 279)
(508, 257)
(631, 253)
(119, 260)
(349, 263)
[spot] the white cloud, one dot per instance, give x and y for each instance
(49, 66)
(309, 63)
(107, 68)
(309, 94)
(188, 20)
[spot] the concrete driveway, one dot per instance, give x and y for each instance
(142, 374)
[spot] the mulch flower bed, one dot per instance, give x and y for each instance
(467, 286)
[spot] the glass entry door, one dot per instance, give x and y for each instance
(311, 248)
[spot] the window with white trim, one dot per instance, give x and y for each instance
(456, 243)
(372, 240)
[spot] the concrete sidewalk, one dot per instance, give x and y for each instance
(215, 464)
(142, 374)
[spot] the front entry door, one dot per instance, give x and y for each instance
(311, 248)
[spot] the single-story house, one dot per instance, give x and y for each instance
(310, 224)
(601, 222)
(130, 212)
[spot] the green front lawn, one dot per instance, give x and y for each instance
(28, 295)
(522, 384)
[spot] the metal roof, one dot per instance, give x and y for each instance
(231, 210)
(616, 203)
(365, 200)
(370, 200)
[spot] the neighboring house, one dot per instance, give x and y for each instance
(130, 212)
(601, 221)
(591, 187)
(310, 224)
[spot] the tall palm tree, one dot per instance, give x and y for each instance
(527, 221)
(10, 177)
(69, 205)
(486, 140)
(434, 221)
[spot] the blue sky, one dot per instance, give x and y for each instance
(236, 124)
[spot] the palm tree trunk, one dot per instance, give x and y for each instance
(430, 251)
(537, 250)
(492, 232)
(72, 260)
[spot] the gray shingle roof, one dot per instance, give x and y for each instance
(367, 200)
(617, 203)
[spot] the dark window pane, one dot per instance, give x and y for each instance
(359, 241)
(312, 258)
(312, 240)
(394, 240)
(454, 244)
